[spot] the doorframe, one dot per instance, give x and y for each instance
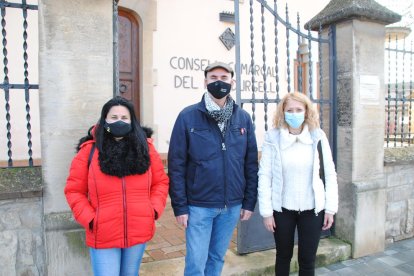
(145, 13)
(134, 18)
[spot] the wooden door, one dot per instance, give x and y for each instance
(128, 58)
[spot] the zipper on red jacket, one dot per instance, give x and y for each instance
(95, 223)
(149, 174)
(125, 212)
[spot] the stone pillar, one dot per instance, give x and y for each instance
(75, 76)
(360, 35)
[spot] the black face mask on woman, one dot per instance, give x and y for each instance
(219, 89)
(118, 128)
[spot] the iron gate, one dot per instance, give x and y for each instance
(399, 106)
(9, 85)
(268, 79)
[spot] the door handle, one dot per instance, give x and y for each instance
(122, 88)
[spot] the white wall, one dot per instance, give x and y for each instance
(171, 30)
(190, 29)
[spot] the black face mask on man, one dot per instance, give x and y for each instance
(219, 89)
(118, 128)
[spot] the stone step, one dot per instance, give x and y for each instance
(331, 250)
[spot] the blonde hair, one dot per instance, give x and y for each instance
(311, 115)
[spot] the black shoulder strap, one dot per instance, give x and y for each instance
(321, 166)
(91, 154)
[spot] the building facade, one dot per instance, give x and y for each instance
(163, 48)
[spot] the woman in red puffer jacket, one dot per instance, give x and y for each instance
(116, 189)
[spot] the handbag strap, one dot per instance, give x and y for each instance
(91, 155)
(321, 166)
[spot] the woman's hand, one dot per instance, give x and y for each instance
(245, 214)
(327, 221)
(269, 223)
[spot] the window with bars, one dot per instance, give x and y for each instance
(399, 94)
(19, 104)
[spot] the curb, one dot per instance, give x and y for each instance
(331, 250)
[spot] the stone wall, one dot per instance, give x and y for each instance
(399, 171)
(21, 230)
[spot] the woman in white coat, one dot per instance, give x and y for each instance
(291, 192)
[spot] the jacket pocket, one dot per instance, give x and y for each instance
(237, 141)
(95, 222)
(319, 190)
(202, 144)
(208, 182)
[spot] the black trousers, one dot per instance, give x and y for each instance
(309, 231)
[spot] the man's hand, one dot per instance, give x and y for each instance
(327, 221)
(269, 223)
(245, 214)
(182, 220)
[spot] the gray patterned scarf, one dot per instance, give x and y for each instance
(220, 115)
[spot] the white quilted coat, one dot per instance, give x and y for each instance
(271, 179)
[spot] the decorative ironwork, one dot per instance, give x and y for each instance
(264, 66)
(403, 93)
(227, 37)
(287, 49)
(304, 40)
(299, 57)
(396, 95)
(310, 66)
(276, 53)
(388, 99)
(252, 64)
(400, 94)
(6, 86)
(26, 84)
(261, 86)
(321, 119)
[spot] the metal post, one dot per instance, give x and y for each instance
(237, 66)
(115, 48)
(332, 91)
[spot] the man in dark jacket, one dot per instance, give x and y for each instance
(212, 164)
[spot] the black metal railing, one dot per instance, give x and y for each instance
(399, 124)
(281, 59)
(301, 64)
(8, 86)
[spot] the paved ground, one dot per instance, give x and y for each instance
(169, 239)
(168, 248)
(396, 260)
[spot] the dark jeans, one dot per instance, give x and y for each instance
(309, 230)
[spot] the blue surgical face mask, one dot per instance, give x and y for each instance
(294, 120)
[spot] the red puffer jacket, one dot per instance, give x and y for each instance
(122, 209)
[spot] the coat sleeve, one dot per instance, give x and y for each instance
(76, 189)
(265, 179)
(250, 168)
(177, 167)
(331, 183)
(159, 182)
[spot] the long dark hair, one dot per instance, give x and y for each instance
(136, 133)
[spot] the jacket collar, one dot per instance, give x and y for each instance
(287, 139)
(202, 106)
